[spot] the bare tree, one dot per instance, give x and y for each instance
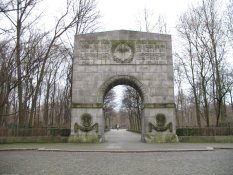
(179, 99)
(17, 13)
(203, 58)
(185, 29)
(36, 56)
(7, 81)
(214, 44)
(88, 16)
(230, 18)
(231, 88)
(108, 108)
(132, 103)
(149, 23)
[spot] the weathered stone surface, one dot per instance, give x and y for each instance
(106, 59)
(162, 138)
(85, 139)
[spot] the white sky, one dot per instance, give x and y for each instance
(122, 14)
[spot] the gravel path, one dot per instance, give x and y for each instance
(218, 162)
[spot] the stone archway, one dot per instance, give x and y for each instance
(128, 81)
(121, 80)
(142, 60)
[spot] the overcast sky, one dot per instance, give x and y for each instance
(123, 14)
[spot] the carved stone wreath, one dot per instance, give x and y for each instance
(86, 120)
(122, 51)
(86, 124)
(160, 124)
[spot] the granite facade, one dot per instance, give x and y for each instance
(106, 59)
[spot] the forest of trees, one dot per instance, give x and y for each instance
(203, 65)
(36, 63)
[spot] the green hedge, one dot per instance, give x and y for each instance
(59, 131)
(187, 132)
(34, 139)
(227, 124)
(207, 131)
(206, 139)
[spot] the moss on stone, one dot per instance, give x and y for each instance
(162, 138)
(105, 42)
(87, 105)
(159, 105)
(85, 139)
(155, 42)
(130, 43)
(87, 42)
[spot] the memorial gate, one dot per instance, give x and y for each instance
(138, 59)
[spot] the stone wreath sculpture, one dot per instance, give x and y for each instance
(160, 124)
(122, 51)
(86, 124)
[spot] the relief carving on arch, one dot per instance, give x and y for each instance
(160, 124)
(86, 124)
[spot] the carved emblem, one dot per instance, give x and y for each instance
(123, 51)
(160, 124)
(86, 121)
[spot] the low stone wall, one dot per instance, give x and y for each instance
(206, 139)
(38, 139)
(86, 139)
(161, 138)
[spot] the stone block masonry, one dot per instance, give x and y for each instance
(107, 59)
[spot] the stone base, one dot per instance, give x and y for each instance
(162, 138)
(86, 139)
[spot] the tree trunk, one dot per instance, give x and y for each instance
(18, 69)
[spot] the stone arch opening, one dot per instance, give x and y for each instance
(135, 113)
(122, 80)
(136, 117)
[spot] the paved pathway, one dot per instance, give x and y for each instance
(129, 141)
(121, 139)
(121, 154)
(122, 136)
(217, 162)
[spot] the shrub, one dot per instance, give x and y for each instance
(211, 131)
(59, 131)
(188, 132)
